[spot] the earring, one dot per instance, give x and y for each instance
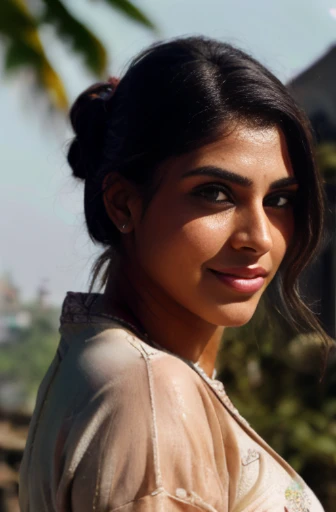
(124, 225)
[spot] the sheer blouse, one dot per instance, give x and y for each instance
(122, 426)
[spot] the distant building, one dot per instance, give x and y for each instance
(315, 91)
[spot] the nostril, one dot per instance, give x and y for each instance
(249, 249)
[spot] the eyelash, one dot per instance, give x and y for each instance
(215, 188)
(290, 195)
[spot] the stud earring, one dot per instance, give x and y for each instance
(124, 225)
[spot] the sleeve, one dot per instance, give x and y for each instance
(142, 444)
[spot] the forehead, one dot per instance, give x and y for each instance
(257, 153)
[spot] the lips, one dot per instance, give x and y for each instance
(242, 279)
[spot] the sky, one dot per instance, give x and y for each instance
(43, 238)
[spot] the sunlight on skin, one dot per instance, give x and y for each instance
(196, 224)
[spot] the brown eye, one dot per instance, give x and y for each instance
(213, 193)
(280, 200)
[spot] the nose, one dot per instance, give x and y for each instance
(252, 231)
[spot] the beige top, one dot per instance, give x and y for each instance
(122, 426)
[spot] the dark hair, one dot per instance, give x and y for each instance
(177, 96)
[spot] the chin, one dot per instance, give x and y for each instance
(234, 314)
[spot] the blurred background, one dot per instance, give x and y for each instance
(50, 50)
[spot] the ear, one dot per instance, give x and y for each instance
(122, 202)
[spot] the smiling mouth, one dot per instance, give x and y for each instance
(243, 282)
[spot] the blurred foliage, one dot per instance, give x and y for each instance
(326, 158)
(19, 34)
(275, 379)
(25, 360)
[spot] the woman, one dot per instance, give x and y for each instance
(200, 182)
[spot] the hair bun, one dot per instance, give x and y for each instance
(88, 118)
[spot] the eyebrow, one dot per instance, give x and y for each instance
(237, 179)
(284, 182)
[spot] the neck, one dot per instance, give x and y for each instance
(166, 322)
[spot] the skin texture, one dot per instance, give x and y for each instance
(162, 276)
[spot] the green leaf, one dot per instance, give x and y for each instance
(326, 158)
(25, 50)
(324, 445)
(131, 11)
(22, 54)
(329, 408)
(288, 407)
(14, 18)
(82, 40)
(302, 432)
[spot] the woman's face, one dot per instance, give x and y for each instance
(219, 225)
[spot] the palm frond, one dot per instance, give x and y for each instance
(14, 18)
(81, 39)
(132, 12)
(20, 54)
(24, 50)
(19, 33)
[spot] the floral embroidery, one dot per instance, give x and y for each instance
(297, 498)
(252, 455)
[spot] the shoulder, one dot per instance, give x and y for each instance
(113, 357)
(136, 411)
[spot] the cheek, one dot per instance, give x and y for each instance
(179, 245)
(203, 238)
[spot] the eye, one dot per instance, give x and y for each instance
(213, 192)
(282, 200)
